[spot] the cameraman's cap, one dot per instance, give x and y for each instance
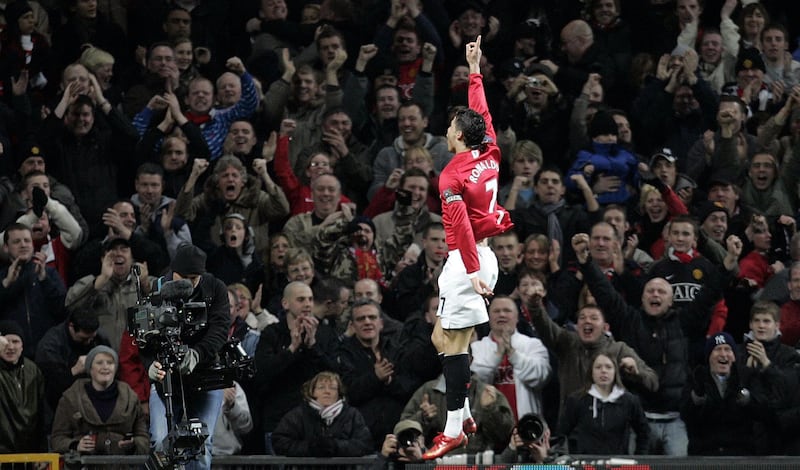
(539, 69)
(405, 425)
(750, 58)
(98, 350)
(665, 154)
(189, 260)
(112, 243)
(718, 339)
(707, 208)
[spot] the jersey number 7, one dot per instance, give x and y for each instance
(491, 185)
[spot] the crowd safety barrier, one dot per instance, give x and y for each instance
(459, 462)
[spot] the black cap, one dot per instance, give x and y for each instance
(724, 178)
(188, 260)
(526, 29)
(602, 124)
(14, 12)
(10, 327)
(353, 226)
(707, 208)
(750, 58)
(539, 69)
(111, 243)
(510, 68)
(382, 64)
(468, 5)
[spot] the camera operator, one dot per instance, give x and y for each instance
(531, 442)
(189, 263)
(406, 444)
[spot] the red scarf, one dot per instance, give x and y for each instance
(198, 119)
(368, 267)
(683, 258)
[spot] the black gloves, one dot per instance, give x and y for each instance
(403, 197)
(39, 201)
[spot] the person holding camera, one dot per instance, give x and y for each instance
(405, 444)
(203, 347)
(532, 442)
(490, 409)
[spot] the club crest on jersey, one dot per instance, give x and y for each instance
(480, 167)
(449, 197)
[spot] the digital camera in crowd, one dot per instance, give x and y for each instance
(531, 428)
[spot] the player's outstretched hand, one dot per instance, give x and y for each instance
(474, 53)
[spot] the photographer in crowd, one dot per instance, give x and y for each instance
(204, 344)
(532, 442)
(404, 445)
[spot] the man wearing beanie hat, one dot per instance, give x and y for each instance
(111, 420)
(29, 157)
(28, 48)
(605, 158)
(349, 251)
(204, 345)
(22, 389)
(725, 403)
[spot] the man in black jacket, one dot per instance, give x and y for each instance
(660, 333)
(204, 345)
(62, 351)
(724, 405)
(378, 382)
(287, 355)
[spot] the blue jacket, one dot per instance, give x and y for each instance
(609, 160)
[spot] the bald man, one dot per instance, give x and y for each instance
(660, 333)
(584, 56)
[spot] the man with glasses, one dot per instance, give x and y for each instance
(378, 382)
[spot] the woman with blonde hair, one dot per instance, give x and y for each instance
(324, 425)
(657, 206)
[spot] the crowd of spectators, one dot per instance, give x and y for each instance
(649, 293)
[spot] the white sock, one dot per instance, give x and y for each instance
(454, 423)
(467, 412)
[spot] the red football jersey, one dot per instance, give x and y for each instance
(468, 187)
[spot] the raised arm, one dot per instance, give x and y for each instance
(477, 97)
